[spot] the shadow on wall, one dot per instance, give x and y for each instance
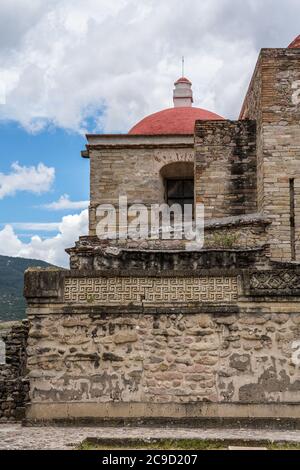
(177, 183)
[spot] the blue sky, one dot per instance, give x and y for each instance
(21, 211)
(55, 148)
(71, 66)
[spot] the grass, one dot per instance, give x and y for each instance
(180, 444)
(224, 240)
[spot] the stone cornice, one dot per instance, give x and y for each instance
(125, 141)
(139, 146)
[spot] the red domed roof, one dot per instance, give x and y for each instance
(173, 121)
(296, 43)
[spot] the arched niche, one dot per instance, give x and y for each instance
(177, 183)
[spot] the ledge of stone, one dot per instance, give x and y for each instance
(236, 221)
(43, 282)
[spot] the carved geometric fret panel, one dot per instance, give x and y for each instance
(151, 290)
(281, 282)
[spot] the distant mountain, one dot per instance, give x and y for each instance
(12, 302)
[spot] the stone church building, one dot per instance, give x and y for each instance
(147, 329)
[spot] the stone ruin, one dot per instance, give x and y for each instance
(147, 330)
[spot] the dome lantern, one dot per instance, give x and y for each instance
(183, 93)
(179, 120)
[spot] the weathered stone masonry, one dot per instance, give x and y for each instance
(270, 101)
(146, 329)
(14, 386)
(97, 357)
(225, 167)
(132, 166)
(163, 358)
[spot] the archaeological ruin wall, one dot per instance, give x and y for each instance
(225, 167)
(14, 386)
(131, 166)
(166, 336)
(273, 100)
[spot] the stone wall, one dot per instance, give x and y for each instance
(225, 167)
(133, 170)
(89, 257)
(14, 387)
(180, 358)
(215, 332)
(249, 231)
(273, 101)
(149, 329)
(242, 232)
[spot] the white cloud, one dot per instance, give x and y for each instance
(33, 179)
(50, 249)
(9, 242)
(39, 226)
(18, 17)
(63, 61)
(64, 203)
